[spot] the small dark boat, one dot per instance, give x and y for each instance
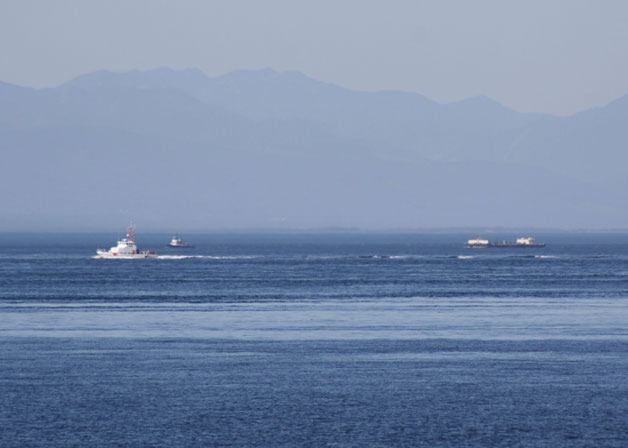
(177, 242)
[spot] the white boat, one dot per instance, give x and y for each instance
(126, 249)
(478, 242)
(528, 241)
(176, 241)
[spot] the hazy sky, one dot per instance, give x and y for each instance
(541, 55)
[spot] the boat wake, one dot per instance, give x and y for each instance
(206, 257)
(181, 257)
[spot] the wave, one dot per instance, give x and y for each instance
(184, 257)
(489, 258)
(207, 257)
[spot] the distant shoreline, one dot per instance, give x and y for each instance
(334, 231)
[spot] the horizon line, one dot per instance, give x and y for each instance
(340, 230)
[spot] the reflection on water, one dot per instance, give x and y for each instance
(414, 318)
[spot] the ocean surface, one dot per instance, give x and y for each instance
(343, 340)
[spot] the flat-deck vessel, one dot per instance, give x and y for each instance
(522, 242)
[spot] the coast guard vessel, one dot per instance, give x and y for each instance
(126, 249)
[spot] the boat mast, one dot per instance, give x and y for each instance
(130, 233)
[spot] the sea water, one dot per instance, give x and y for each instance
(314, 340)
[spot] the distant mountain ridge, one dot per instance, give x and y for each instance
(260, 148)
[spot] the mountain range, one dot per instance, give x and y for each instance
(177, 149)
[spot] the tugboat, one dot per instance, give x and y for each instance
(177, 242)
(126, 249)
(522, 242)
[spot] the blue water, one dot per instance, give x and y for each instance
(314, 340)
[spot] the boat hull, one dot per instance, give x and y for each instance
(139, 256)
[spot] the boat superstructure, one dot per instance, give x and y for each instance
(478, 242)
(126, 249)
(528, 241)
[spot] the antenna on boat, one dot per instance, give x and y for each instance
(130, 233)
